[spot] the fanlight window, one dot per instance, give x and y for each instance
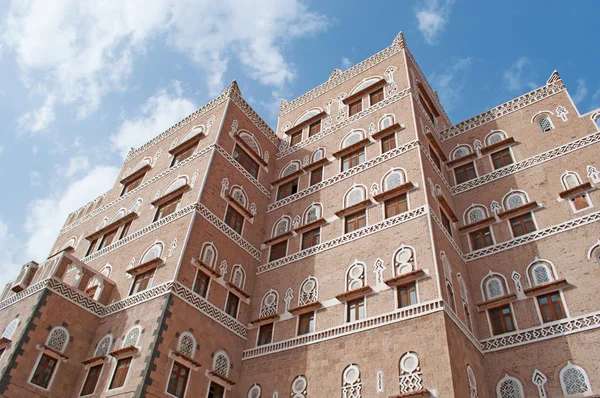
(355, 277)
(118, 215)
(209, 255)
(282, 226)
(291, 168)
(462, 286)
(354, 196)
(410, 374)
(136, 206)
(187, 344)
(494, 287)
(178, 183)
(299, 387)
(570, 180)
(461, 152)
(351, 382)
(386, 122)
(143, 163)
(368, 82)
(475, 214)
(71, 242)
(446, 266)
(58, 339)
(132, 337)
(318, 154)
(312, 213)
(255, 391)
(309, 291)
(152, 253)
(494, 138)
(544, 122)
(574, 381)
(238, 276)
(594, 252)
(472, 382)
(251, 141)
(509, 387)
(404, 261)
(103, 346)
(393, 179)
(540, 273)
(193, 133)
(221, 364)
(238, 194)
(307, 115)
(10, 329)
(269, 304)
(514, 200)
(352, 138)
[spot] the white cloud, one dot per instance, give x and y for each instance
(159, 113)
(581, 91)
(76, 165)
(433, 15)
(346, 63)
(35, 178)
(47, 215)
(596, 98)
(519, 76)
(10, 248)
(450, 82)
(95, 43)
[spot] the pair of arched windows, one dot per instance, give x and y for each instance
(574, 382)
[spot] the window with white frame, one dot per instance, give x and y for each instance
(255, 391)
(239, 195)
(355, 276)
(251, 141)
(351, 382)
(152, 253)
(540, 273)
(238, 276)
(352, 138)
(187, 344)
(291, 168)
(10, 329)
(318, 154)
(282, 226)
(58, 339)
(299, 387)
(475, 214)
(570, 179)
(472, 383)
(209, 255)
(544, 122)
(312, 213)
(495, 137)
(269, 304)
(411, 377)
(494, 287)
(104, 345)
(515, 199)
(309, 291)
(461, 151)
(355, 195)
(221, 364)
(393, 179)
(509, 387)
(574, 381)
(404, 261)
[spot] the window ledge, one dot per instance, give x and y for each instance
(112, 225)
(192, 141)
(265, 319)
(124, 352)
(237, 291)
(185, 360)
(444, 204)
(163, 199)
(249, 150)
(303, 309)
(440, 153)
(245, 212)
(460, 161)
(95, 360)
(352, 148)
(406, 278)
(387, 131)
(476, 225)
(546, 287)
(202, 265)
(498, 145)
(583, 188)
(305, 123)
(279, 238)
(364, 91)
(497, 302)
(317, 164)
(394, 192)
(143, 267)
(287, 178)
(222, 378)
(527, 207)
(354, 208)
(52, 352)
(135, 174)
(4, 342)
(356, 293)
(421, 393)
(307, 227)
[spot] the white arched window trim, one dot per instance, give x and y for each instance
(484, 285)
(128, 337)
(282, 226)
(307, 115)
(567, 178)
(539, 116)
(234, 190)
(318, 154)
(594, 252)
(56, 330)
(469, 216)
(290, 168)
(160, 247)
(506, 198)
(176, 184)
(319, 211)
(9, 331)
(251, 140)
(384, 179)
(352, 138)
(566, 389)
(180, 342)
(492, 137)
(355, 188)
(209, 246)
(365, 83)
(387, 117)
(460, 151)
(515, 382)
(353, 278)
(237, 268)
(539, 262)
(401, 261)
(218, 366)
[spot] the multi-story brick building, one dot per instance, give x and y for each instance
(369, 248)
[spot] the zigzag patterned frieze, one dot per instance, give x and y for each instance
(242, 170)
(69, 293)
(502, 110)
(547, 331)
(157, 177)
(397, 97)
(399, 315)
(527, 163)
(349, 237)
(288, 106)
(344, 175)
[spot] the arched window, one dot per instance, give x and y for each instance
(209, 255)
(574, 381)
(404, 260)
(318, 154)
(10, 329)
(292, 167)
(596, 119)
(58, 339)
(132, 337)
(367, 82)
(309, 291)
(355, 195)
(394, 179)
(238, 276)
(386, 122)
(475, 214)
(187, 344)
(351, 382)
(495, 137)
(282, 226)
(544, 122)
(307, 115)
(143, 163)
(269, 304)
(494, 287)
(251, 141)
(104, 345)
(195, 131)
(71, 242)
(411, 377)
(352, 138)
(447, 268)
(594, 252)
(99, 202)
(299, 387)
(152, 253)
(313, 213)
(118, 215)
(472, 383)
(514, 199)
(540, 272)
(239, 195)
(462, 287)
(570, 179)
(221, 363)
(178, 183)
(255, 391)
(89, 208)
(461, 151)
(355, 276)
(509, 387)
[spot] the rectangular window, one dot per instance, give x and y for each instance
(107, 239)
(502, 158)
(278, 250)
(125, 230)
(246, 161)
(353, 159)
(182, 155)
(133, 184)
(91, 247)
(407, 295)
(296, 138)
(44, 371)
(201, 283)
(355, 221)
(316, 176)
(311, 238)
(118, 379)
(355, 107)
(231, 307)
(446, 222)
(234, 219)
(91, 380)
(481, 238)
(395, 206)
(502, 320)
(522, 225)
(142, 281)
(376, 96)
(551, 307)
(435, 157)
(314, 128)
(427, 103)
(215, 391)
(465, 172)
(265, 334)
(168, 208)
(178, 380)
(306, 323)
(580, 202)
(287, 189)
(388, 143)
(356, 310)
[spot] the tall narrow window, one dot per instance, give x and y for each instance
(481, 238)
(234, 219)
(395, 206)
(178, 380)
(316, 176)
(118, 379)
(314, 128)
(265, 334)
(201, 283)
(311, 238)
(355, 107)
(125, 230)
(246, 161)
(388, 143)
(91, 247)
(133, 184)
(376, 96)
(502, 320)
(215, 391)
(142, 281)
(231, 307)
(551, 307)
(355, 221)
(353, 159)
(44, 371)
(278, 250)
(465, 172)
(296, 138)
(168, 208)
(502, 158)
(430, 109)
(356, 310)
(435, 157)
(91, 380)
(522, 225)
(182, 155)
(407, 295)
(306, 323)
(446, 222)
(287, 189)
(107, 239)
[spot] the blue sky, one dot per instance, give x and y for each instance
(81, 82)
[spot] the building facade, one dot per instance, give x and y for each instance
(367, 248)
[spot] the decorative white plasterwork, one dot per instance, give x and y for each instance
(344, 175)
(242, 170)
(539, 379)
(502, 110)
(371, 229)
(527, 163)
